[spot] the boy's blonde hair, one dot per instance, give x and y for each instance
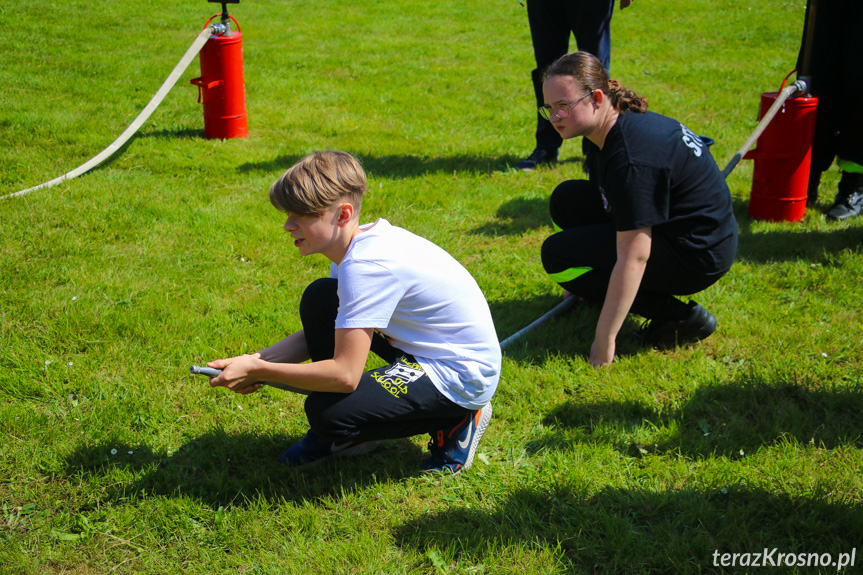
(318, 181)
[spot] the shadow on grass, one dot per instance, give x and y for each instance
(726, 420)
(219, 468)
(578, 324)
(794, 242)
(517, 216)
(196, 133)
(400, 166)
(640, 531)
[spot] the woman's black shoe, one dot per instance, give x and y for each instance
(698, 325)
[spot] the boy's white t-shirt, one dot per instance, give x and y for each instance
(426, 303)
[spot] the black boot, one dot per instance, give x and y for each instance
(536, 158)
(697, 325)
(849, 200)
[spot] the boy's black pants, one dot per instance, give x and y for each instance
(396, 400)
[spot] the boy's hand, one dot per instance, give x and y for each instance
(236, 373)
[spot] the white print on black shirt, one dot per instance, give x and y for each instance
(692, 141)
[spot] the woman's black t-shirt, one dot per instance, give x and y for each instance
(655, 172)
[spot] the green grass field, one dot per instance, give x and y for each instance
(114, 459)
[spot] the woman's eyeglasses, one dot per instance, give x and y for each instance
(560, 111)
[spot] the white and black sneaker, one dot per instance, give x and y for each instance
(849, 199)
(453, 448)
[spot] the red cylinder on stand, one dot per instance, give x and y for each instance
(222, 87)
(780, 179)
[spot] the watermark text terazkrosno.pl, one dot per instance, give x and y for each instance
(775, 558)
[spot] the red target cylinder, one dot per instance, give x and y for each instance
(780, 177)
(222, 87)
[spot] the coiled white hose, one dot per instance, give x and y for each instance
(178, 70)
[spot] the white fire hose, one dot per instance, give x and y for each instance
(798, 86)
(216, 29)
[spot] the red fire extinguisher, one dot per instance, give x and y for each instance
(780, 177)
(221, 86)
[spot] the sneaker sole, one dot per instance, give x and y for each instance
(838, 217)
(481, 426)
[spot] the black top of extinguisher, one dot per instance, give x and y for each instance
(226, 20)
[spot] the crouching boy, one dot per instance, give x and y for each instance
(390, 292)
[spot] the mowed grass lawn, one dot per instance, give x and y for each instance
(114, 459)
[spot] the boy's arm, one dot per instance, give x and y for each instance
(340, 374)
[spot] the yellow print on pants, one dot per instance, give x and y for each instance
(396, 377)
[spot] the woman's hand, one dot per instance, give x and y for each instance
(601, 353)
(237, 373)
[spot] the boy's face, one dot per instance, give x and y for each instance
(312, 234)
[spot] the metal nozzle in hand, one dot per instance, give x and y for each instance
(213, 372)
(208, 371)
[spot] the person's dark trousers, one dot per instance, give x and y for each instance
(551, 22)
(581, 257)
(837, 57)
(396, 400)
